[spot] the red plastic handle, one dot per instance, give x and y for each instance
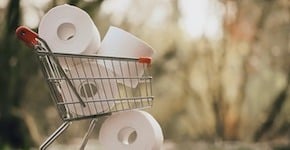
(27, 36)
(146, 60)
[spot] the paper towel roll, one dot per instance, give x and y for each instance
(69, 29)
(90, 89)
(132, 130)
(119, 43)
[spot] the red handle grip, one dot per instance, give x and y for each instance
(146, 60)
(27, 36)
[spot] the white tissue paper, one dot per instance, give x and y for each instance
(119, 43)
(95, 92)
(69, 29)
(132, 130)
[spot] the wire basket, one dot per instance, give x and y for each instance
(90, 86)
(96, 87)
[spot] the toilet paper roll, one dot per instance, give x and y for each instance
(94, 92)
(132, 130)
(69, 29)
(119, 43)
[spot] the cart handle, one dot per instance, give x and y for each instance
(28, 36)
(145, 60)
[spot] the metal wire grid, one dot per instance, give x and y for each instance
(96, 82)
(85, 86)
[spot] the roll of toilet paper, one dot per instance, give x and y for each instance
(131, 130)
(119, 43)
(69, 29)
(94, 86)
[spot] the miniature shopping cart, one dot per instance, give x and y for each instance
(90, 86)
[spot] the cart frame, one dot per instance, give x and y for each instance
(59, 80)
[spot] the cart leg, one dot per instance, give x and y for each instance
(87, 135)
(55, 135)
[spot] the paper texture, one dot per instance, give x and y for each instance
(69, 29)
(119, 43)
(115, 133)
(97, 93)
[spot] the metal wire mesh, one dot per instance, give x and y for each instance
(103, 84)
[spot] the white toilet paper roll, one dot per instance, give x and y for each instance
(132, 130)
(69, 29)
(90, 89)
(119, 43)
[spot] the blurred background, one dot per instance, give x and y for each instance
(221, 72)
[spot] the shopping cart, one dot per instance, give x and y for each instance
(87, 86)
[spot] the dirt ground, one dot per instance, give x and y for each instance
(197, 145)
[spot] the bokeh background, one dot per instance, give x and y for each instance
(221, 72)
